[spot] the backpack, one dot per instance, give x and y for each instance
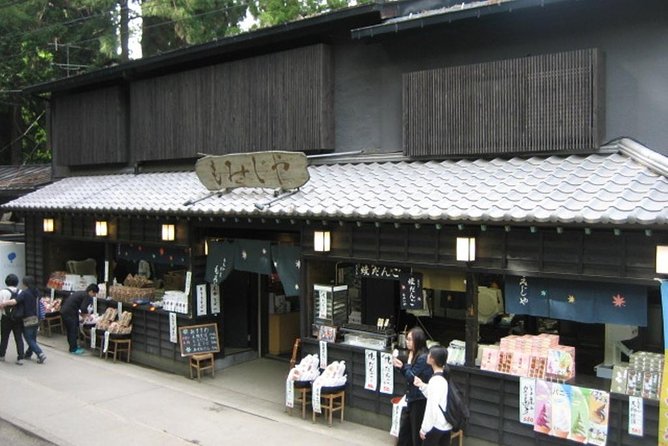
(456, 412)
(11, 312)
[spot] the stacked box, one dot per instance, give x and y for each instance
(490, 358)
(505, 361)
(642, 377)
(560, 363)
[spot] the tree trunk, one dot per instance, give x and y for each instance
(125, 30)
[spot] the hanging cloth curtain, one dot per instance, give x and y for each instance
(288, 265)
(220, 261)
(253, 256)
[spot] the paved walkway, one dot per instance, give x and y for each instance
(85, 400)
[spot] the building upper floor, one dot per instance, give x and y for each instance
(430, 80)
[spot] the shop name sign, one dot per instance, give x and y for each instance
(272, 169)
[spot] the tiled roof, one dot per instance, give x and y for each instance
(26, 177)
(605, 188)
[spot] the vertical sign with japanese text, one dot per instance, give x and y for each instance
(323, 354)
(201, 299)
(386, 373)
(215, 298)
(636, 414)
(173, 337)
(527, 400)
(371, 369)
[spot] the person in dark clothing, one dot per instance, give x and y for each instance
(416, 365)
(27, 305)
(74, 305)
(8, 324)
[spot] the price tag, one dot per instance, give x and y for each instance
(322, 304)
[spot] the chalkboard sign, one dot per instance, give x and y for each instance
(196, 339)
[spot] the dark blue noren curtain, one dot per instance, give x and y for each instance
(220, 261)
(253, 256)
(288, 265)
(590, 302)
(166, 255)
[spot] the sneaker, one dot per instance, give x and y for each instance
(19, 362)
(41, 358)
(79, 351)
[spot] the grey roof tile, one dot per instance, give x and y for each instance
(595, 189)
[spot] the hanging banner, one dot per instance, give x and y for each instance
(253, 256)
(219, 261)
(315, 396)
(201, 299)
(527, 404)
(289, 393)
(215, 298)
(106, 342)
(599, 408)
(287, 261)
(323, 354)
(410, 291)
(106, 271)
(663, 401)
(164, 255)
(369, 270)
(587, 302)
(580, 416)
(386, 373)
(371, 369)
(636, 413)
(189, 278)
(94, 305)
(173, 332)
(119, 309)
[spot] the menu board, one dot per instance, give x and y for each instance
(196, 339)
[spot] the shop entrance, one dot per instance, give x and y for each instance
(241, 293)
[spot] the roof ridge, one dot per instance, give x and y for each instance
(654, 161)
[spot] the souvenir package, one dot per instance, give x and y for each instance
(543, 417)
(520, 364)
(599, 406)
(537, 365)
(560, 363)
(619, 379)
(490, 358)
(561, 410)
(579, 415)
(641, 377)
(505, 361)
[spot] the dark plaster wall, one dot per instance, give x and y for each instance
(633, 36)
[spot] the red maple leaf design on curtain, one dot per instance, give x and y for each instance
(618, 301)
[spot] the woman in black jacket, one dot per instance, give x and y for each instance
(416, 365)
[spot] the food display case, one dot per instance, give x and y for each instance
(368, 336)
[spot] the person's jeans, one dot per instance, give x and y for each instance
(30, 334)
(8, 326)
(72, 328)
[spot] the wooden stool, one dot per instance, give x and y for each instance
(201, 362)
(302, 396)
(53, 320)
(329, 403)
(117, 346)
(459, 434)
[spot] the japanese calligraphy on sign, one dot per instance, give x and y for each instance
(636, 414)
(271, 169)
(173, 333)
(377, 271)
(215, 298)
(410, 291)
(201, 299)
(371, 369)
(199, 339)
(323, 354)
(527, 400)
(386, 373)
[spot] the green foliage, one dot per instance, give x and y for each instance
(275, 12)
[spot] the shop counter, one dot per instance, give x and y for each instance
(493, 400)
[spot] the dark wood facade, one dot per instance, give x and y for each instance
(579, 253)
(90, 127)
(279, 101)
(534, 104)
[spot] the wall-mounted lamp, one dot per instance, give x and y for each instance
(49, 225)
(662, 259)
(101, 229)
(465, 249)
(321, 241)
(168, 232)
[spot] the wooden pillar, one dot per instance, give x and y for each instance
(471, 317)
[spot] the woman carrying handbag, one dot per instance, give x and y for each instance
(27, 304)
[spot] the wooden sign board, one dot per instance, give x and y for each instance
(273, 169)
(196, 339)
